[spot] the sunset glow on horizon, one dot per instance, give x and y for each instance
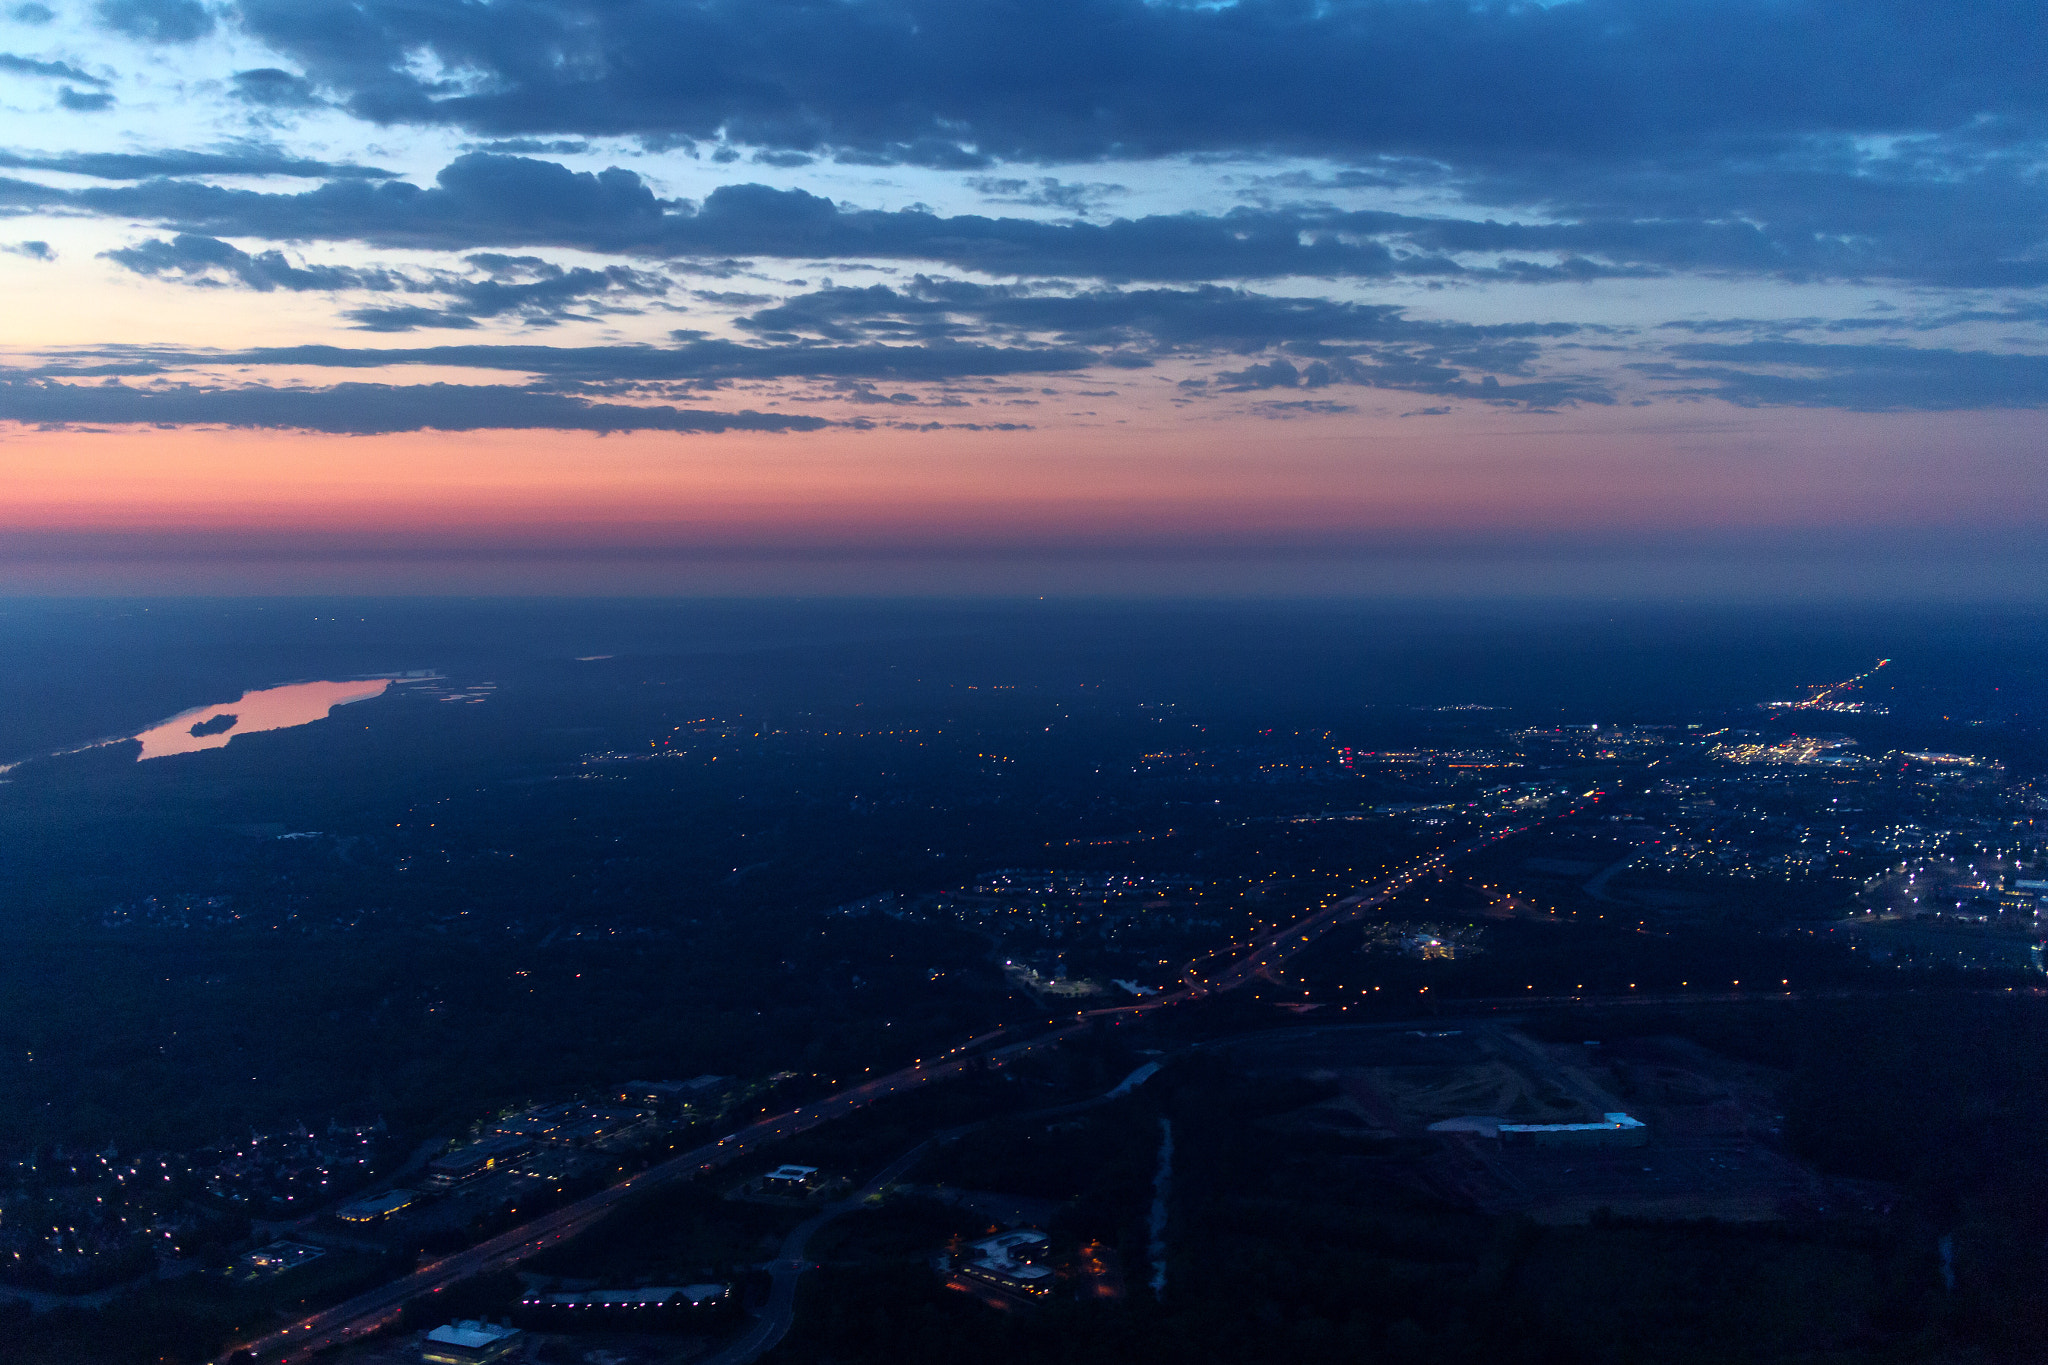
(275, 303)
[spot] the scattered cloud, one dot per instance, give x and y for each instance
(199, 259)
(1045, 191)
(253, 159)
(532, 146)
(1859, 378)
(406, 318)
(1825, 138)
(85, 101)
(486, 200)
(930, 331)
(1322, 341)
(920, 80)
(159, 21)
(1885, 143)
(272, 88)
(695, 361)
(14, 64)
(490, 200)
(528, 287)
(363, 409)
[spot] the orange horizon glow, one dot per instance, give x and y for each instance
(1583, 473)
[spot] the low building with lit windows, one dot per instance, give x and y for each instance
(470, 1343)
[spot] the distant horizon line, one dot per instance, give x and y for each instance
(1416, 600)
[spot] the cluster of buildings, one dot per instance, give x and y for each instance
(626, 1118)
(1051, 905)
(276, 1258)
(80, 1220)
(1054, 986)
(76, 1221)
(1707, 854)
(1835, 751)
(1820, 750)
(1316, 760)
(1310, 758)
(73, 1221)
(1013, 1262)
(1105, 886)
(293, 1170)
(626, 1307)
(598, 1127)
(793, 1182)
(1425, 941)
(471, 1342)
(181, 911)
(1427, 764)
(1595, 743)
(551, 1141)
(1806, 821)
(377, 1207)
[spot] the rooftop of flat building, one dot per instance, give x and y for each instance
(471, 1333)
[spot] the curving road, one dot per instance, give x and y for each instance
(789, 1263)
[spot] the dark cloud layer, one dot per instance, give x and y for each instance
(528, 287)
(932, 331)
(1207, 317)
(85, 101)
(1419, 357)
(691, 361)
(1690, 136)
(954, 81)
(251, 161)
(1045, 192)
(1859, 378)
(17, 65)
(1888, 141)
(1888, 137)
(162, 21)
(1324, 341)
(192, 257)
(363, 409)
(483, 199)
(268, 87)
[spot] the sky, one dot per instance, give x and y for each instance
(1667, 298)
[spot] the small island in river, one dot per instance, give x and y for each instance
(214, 725)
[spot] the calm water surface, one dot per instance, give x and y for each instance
(270, 708)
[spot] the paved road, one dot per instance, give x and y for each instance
(789, 1263)
(379, 1307)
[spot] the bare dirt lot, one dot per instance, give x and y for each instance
(1711, 1130)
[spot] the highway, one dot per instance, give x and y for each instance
(1275, 949)
(371, 1311)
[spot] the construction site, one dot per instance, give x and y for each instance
(1487, 1116)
